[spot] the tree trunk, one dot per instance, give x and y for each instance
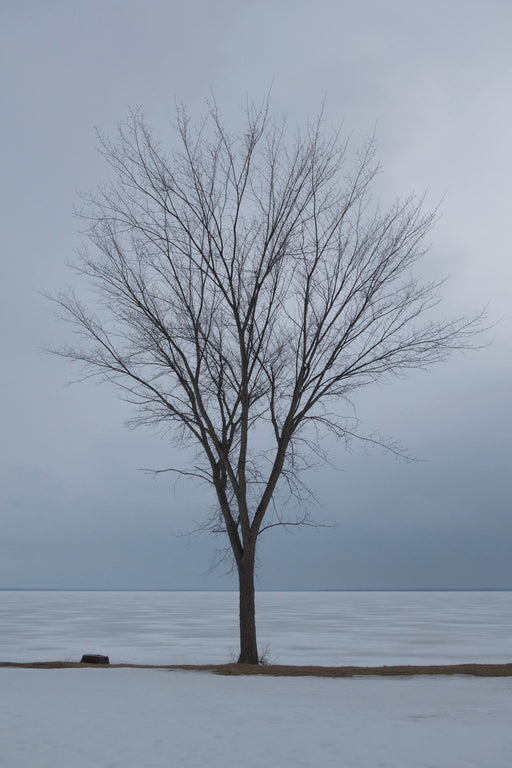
(248, 646)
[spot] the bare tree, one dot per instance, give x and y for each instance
(245, 289)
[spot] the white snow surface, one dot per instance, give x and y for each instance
(136, 718)
(143, 718)
(329, 628)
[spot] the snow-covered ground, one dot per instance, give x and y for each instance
(330, 628)
(134, 718)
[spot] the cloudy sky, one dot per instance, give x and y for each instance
(435, 80)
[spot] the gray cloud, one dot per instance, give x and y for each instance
(435, 79)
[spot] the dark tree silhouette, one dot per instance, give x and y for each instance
(246, 288)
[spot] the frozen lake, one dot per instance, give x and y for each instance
(329, 628)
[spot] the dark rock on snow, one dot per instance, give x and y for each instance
(94, 658)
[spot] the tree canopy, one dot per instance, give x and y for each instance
(246, 286)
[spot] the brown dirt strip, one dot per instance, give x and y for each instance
(278, 670)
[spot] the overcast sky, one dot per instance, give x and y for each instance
(436, 80)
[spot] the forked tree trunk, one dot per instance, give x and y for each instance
(248, 646)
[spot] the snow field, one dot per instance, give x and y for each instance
(133, 718)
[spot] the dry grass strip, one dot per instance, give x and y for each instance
(280, 670)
